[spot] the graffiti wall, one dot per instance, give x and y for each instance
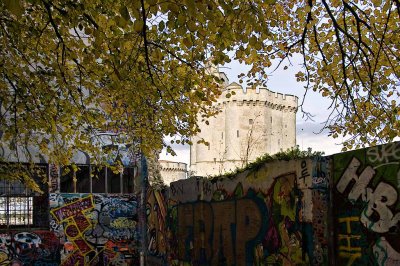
(260, 217)
(366, 206)
(91, 229)
(156, 226)
(337, 210)
(95, 229)
(29, 248)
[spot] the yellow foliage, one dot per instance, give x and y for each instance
(72, 69)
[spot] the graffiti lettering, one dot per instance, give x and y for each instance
(224, 218)
(226, 227)
(54, 225)
(122, 223)
(318, 181)
(384, 153)
(304, 170)
(359, 188)
(73, 208)
(97, 230)
(349, 250)
(378, 201)
(319, 174)
(176, 188)
(78, 223)
(249, 223)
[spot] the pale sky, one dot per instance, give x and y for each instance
(284, 81)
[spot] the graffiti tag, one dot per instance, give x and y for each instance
(385, 153)
(347, 249)
(304, 170)
(176, 188)
(227, 227)
(73, 209)
(379, 200)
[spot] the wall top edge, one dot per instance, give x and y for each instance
(259, 91)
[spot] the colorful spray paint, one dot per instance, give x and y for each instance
(95, 229)
(259, 217)
(366, 206)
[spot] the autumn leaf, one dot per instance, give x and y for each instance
(70, 72)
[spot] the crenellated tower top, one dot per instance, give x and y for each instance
(172, 166)
(251, 122)
(235, 93)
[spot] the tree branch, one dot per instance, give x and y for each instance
(146, 47)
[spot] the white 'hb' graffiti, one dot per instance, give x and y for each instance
(378, 200)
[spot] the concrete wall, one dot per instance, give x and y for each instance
(250, 123)
(259, 217)
(366, 206)
(339, 210)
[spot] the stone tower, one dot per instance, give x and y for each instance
(251, 122)
(172, 171)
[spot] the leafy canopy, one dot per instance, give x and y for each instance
(71, 69)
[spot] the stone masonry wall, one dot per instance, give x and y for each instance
(250, 124)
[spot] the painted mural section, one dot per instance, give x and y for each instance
(157, 237)
(366, 206)
(260, 217)
(37, 247)
(320, 188)
(91, 229)
(95, 229)
(336, 210)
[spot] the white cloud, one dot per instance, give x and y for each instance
(309, 136)
(182, 154)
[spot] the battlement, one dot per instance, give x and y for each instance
(172, 166)
(257, 96)
(269, 116)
